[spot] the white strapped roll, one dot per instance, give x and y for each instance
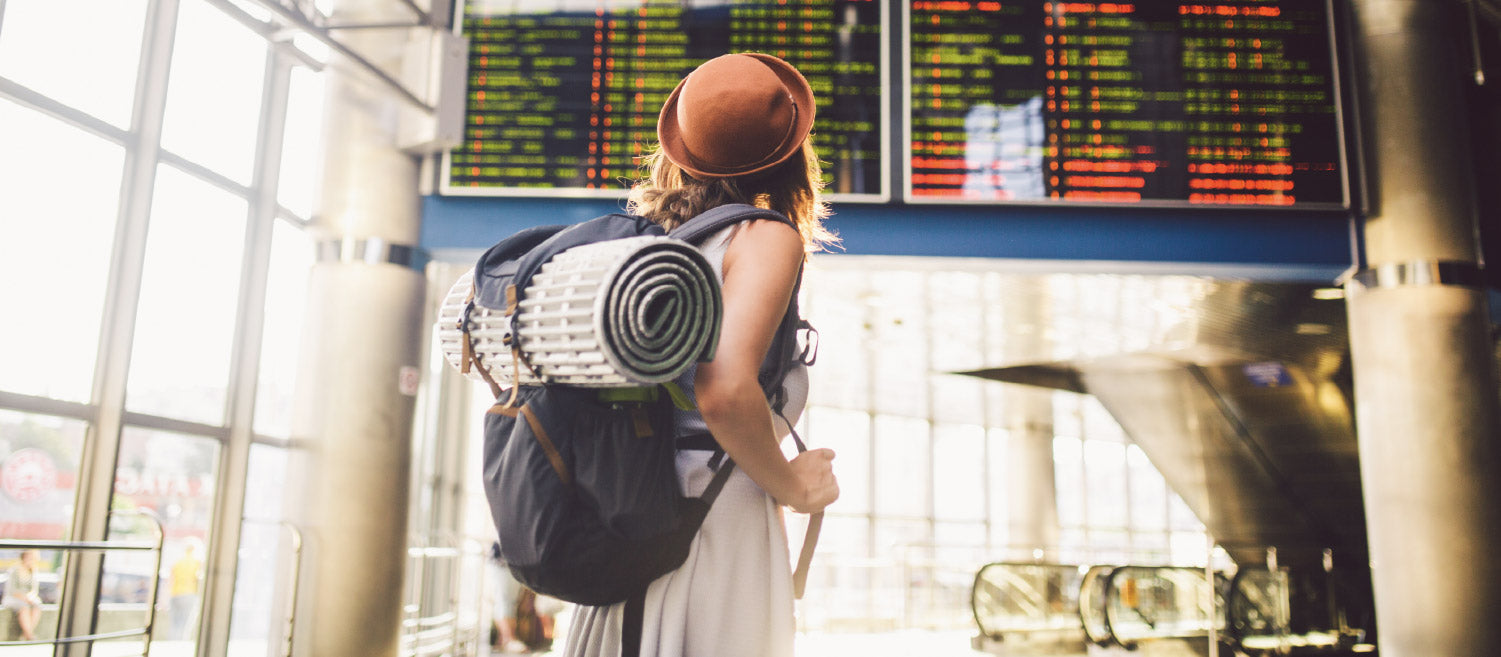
(617, 313)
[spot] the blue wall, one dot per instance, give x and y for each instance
(1278, 244)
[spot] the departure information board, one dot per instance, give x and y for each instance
(1231, 103)
(564, 95)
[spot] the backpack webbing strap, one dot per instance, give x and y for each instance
(467, 356)
(545, 442)
(716, 484)
(805, 557)
(717, 218)
(631, 624)
(810, 538)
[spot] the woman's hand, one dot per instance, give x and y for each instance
(814, 471)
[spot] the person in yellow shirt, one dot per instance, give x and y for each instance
(183, 581)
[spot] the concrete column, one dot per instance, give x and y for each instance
(1031, 483)
(1425, 381)
(362, 345)
(1031, 491)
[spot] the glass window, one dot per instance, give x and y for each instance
(190, 289)
(903, 538)
(214, 92)
(903, 472)
(956, 321)
(38, 474)
(1190, 548)
(1068, 473)
(1180, 516)
(59, 197)
(286, 293)
(1105, 481)
(959, 472)
(844, 535)
(901, 384)
(1148, 492)
(899, 328)
(848, 434)
(301, 160)
(1066, 420)
(1099, 424)
(1000, 514)
(959, 399)
(262, 574)
(171, 476)
(83, 53)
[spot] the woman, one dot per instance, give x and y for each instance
(22, 594)
(736, 130)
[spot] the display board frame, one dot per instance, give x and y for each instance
(886, 145)
(1336, 86)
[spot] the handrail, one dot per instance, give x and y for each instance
(478, 549)
(420, 634)
(452, 630)
(1093, 599)
(69, 547)
(295, 536)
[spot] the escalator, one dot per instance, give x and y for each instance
(1043, 609)
(1243, 401)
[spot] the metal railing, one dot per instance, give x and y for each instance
(289, 620)
(70, 547)
(447, 630)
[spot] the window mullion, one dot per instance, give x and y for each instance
(102, 443)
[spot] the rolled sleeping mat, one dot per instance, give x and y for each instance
(617, 313)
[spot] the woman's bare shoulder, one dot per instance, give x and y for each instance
(769, 242)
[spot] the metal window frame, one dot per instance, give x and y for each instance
(102, 440)
(105, 414)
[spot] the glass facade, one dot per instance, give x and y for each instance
(925, 455)
(132, 212)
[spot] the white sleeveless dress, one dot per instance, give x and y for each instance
(732, 597)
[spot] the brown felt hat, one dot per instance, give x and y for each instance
(735, 115)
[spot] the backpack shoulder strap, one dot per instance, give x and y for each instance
(702, 226)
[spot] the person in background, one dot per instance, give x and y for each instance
(23, 594)
(522, 620)
(185, 575)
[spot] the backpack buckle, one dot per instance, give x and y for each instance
(807, 338)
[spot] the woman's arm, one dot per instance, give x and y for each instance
(760, 270)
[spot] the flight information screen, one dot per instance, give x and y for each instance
(1230, 103)
(564, 95)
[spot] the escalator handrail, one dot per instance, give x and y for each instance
(1084, 585)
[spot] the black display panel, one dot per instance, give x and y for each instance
(1230, 103)
(563, 96)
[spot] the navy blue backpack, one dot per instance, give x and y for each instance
(581, 481)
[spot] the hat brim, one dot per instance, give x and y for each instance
(669, 133)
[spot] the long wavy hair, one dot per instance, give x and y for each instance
(669, 197)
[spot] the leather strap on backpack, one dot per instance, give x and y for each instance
(810, 538)
(467, 356)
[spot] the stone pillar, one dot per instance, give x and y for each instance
(1425, 380)
(1031, 491)
(361, 352)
